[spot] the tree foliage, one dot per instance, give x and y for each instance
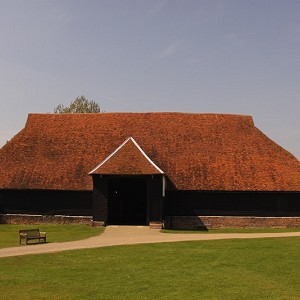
(79, 105)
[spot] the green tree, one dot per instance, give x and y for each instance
(79, 105)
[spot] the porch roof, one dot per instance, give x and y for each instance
(127, 159)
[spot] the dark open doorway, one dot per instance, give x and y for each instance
(127, 201)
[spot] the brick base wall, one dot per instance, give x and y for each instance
(175, 222)
(202, 222)
(44, 219)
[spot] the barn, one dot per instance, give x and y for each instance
(177, 169)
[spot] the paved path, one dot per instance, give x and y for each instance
(126, 235)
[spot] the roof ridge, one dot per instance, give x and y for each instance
(142, 113)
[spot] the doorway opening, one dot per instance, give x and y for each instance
(127, 201)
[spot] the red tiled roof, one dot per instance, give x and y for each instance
(195, 151)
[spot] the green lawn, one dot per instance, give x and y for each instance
(9, 234)
(233, 230)
(224, 269)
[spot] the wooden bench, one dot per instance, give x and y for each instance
(32, 234)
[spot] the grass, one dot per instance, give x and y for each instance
(233, 230)
(9, 234)
(224, 269)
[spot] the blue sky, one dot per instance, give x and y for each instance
(240, 57)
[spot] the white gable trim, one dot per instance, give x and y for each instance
(146, 156)
(113, 153)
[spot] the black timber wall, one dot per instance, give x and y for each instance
(210, 203)
(45, 202)
(155, 198)
(100, 199)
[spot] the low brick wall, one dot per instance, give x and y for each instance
(44, 219)
(202, 222)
